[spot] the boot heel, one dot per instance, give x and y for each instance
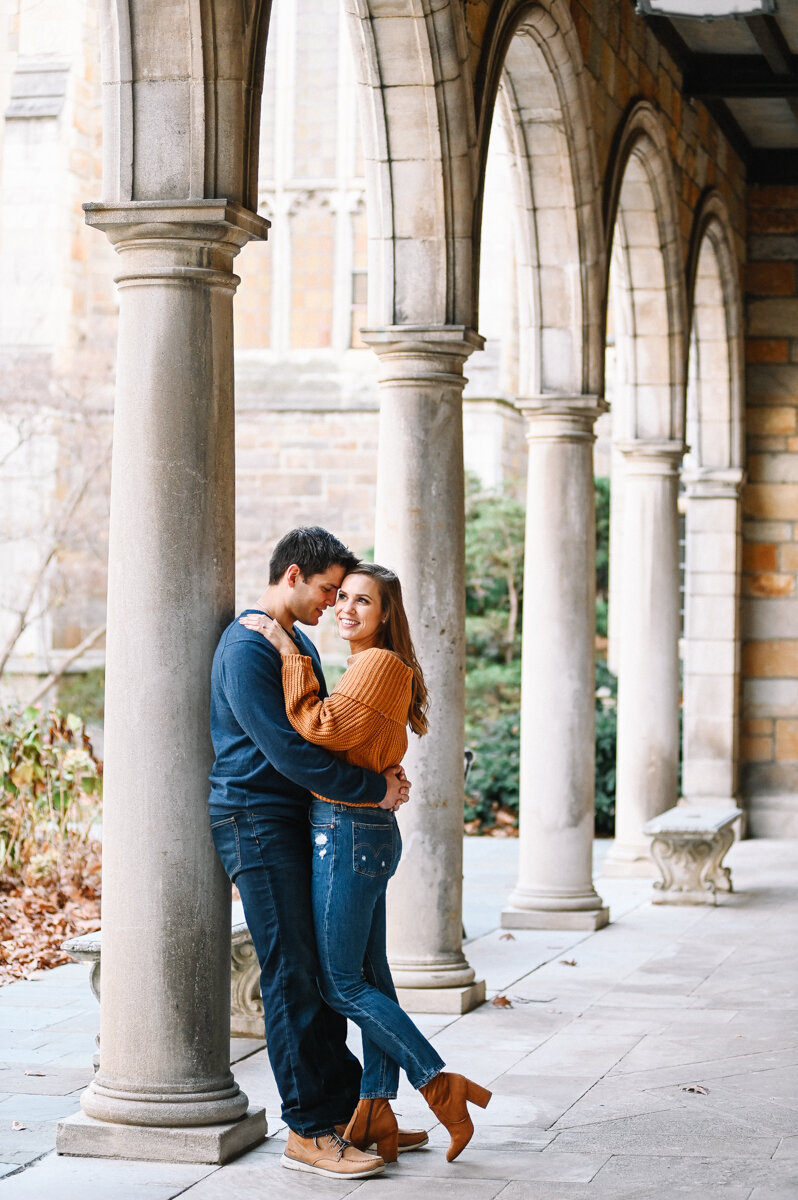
(477, 1094)
(388, 1146)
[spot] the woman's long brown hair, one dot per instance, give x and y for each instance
(396, 636)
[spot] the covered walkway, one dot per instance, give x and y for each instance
(589, 1061)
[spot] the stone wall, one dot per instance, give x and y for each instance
(770, 530)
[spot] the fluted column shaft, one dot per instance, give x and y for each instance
(420, 533)
(555, 882)
(164, 1049)
(648, 656)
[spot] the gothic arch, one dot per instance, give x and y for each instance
(181, 117)
(644, 248)
(715, 392)
(418, 135)
(532, 76)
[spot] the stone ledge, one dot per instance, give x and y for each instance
(81, 1136)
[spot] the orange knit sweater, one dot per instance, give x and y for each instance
(364, 719)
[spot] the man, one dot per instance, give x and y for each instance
(260, 792)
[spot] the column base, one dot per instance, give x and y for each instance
(444, 999)
(81, 1136)
(546, 918)
(629, 862)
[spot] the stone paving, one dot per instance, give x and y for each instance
(588, 1067)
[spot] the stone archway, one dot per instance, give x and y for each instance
(419, 138)
(712, 478)
(648, 295)
(532, 81)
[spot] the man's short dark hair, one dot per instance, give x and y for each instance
(313, 549)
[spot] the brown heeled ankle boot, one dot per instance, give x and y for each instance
(446, 1095)
(374, 1121)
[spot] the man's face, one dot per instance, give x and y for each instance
(311, 596)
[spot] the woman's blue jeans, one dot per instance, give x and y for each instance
(269, 858)
(355, 853)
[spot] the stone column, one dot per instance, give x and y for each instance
(421, 535)
(648, 656)
(164, 1089)
(712, 637)
(555, 881)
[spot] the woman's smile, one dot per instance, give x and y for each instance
(358, 611)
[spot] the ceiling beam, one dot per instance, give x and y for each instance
(731, 76)
(766, 31)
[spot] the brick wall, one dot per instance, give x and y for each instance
(769, 743)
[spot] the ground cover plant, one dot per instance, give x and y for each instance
(49, 842)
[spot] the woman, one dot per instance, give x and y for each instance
(357, 849)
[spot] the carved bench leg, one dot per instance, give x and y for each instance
(689, 867)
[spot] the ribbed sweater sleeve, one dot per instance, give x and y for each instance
(375, 688)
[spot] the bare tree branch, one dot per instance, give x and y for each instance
(66, 512)
(67, 662)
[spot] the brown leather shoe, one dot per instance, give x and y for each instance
(329, 1154)
(372, 1126)
(412, 1139)
(446, 1095)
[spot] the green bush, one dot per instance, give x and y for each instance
(51, 789)
(606, 741)
(493, 779)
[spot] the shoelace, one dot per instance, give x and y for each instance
(336, 1142)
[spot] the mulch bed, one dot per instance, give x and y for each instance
(37, 915)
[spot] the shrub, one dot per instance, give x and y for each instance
(51, 787)
(606, 741)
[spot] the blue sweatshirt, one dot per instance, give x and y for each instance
(261, 761)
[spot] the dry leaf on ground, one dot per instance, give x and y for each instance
(501, 1002)
(697, 1089)
(506, 937)
(568, 962)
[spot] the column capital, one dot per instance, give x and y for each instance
(655, 457)
(184, 241)
(211, 220)
(556, 417)
(714, 483)
(457, 340)
(412, 355)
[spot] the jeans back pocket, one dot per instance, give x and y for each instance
(228, 845)
(372, 848)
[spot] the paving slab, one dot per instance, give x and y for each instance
(51, 1080)
(94, 1179)
(660, 1174)
(677, 1132)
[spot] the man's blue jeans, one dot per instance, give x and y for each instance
(269, 859)
(355, 853)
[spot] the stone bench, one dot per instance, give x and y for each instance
(246, 1004)
(688, 845)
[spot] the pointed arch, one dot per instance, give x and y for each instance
(182, 115)
(531, 76)
(644, 247)
(419, 137)
(715, 383)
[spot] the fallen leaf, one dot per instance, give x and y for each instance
(506, 937)
(42, 1073)
(17, 1125)
(568, 962)
(501, 1002)
(697, 1088)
